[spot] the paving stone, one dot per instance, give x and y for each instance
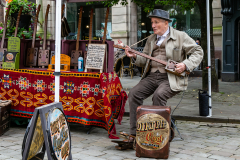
(187, 152)
(183, 156)
(4, 156)
(210, 144)
(220, 157)
(80, 156)
(144, 158)
(127, 154)
(236, 156)
(15, 147)
(172, 158)
(175, 149)
(92, 158)
(113, 157)
(16, 155)
(200, 158)
(229, 151)
(194, 145)
(92, 153)
(221, 153)
(95, 148)
(199, 154)
(213, 148)
(5, 143)
(77, 150)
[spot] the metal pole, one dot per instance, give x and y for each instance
(209, 59)
(57, 48)
(65, 14)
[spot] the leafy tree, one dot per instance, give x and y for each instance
(148, 5)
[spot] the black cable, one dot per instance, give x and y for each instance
(180, 99)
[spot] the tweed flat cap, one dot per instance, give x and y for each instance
(158, 13)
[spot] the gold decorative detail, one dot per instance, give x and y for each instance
(152, 132)
(37, 141)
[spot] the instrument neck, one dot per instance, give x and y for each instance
(63, 7)
(45, 34)
(4, 32)
(35, 26)
(147, 56)
(79, 28)
(90, 28)
(5, 26)
(105, 27)
(18, 19)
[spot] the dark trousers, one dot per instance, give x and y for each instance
(155, 83)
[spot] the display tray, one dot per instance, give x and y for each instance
(45, 69)
(69, 45)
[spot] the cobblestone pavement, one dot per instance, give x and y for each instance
(201, 141)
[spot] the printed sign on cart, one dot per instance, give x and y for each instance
(14, 44)
(95, 56)
(152, 132)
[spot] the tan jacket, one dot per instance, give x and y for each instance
(178, 46)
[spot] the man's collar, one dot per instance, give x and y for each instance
(165, 34)
(171, 35)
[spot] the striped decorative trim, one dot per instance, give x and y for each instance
(48, 73)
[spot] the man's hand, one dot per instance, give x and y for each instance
(180, 67)
(130, 54)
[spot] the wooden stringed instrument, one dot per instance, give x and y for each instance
(90, 37)
(2, 50)
(32, 52)
(18, 19)
(77, 53)
(105, 28)
(105, 36)
(43, 55)
(170, 64)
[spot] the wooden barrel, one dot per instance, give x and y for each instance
(153, 131)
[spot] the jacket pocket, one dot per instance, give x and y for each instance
(176, 54)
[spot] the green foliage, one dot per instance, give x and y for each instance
(110, 3)
(1, 27)
(28, 7)
(148, 5)
(22, 33)
(185, 5)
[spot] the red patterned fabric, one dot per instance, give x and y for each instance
(87, 98)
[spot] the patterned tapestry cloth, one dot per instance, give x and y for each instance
(87, 98)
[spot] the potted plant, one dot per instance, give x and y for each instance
(28, 9)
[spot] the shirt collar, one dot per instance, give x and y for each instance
(165, 34)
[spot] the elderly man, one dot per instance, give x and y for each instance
(166, 43)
